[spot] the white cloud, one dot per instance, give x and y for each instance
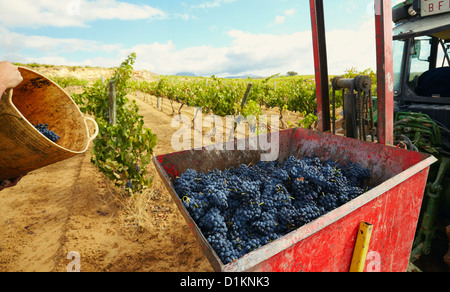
(16, 47)
(248, 53)
(262, 54)
(290, 12)
(57, 13)
(352, 48)
(183, 16)
(280, 19)
(348, 6)
(12, 41)
(213, 4)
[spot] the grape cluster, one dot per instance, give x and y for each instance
(43, 129)
(241, 209)
(129, 185)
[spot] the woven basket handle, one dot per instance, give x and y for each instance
(96, 128)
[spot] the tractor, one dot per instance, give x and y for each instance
(421, 67)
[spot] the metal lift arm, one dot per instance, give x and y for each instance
(385, 71)
(320, 65)
(385, 74)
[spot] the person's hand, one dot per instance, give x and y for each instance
(10, 183)
(10, 76)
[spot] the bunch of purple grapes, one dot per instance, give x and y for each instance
(43, 129)
(241, 209)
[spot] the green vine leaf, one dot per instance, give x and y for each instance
(119, 151)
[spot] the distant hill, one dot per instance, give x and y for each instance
(244, 77)
(85, 73)
(187, 74)
(190, 74)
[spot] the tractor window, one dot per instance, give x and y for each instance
(399, 48)
(443, 54)
(429, 69)
(420, 59)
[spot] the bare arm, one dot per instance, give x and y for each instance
(10, 77)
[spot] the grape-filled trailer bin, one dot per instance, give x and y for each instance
(391, 206)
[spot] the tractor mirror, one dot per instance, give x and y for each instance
(415, 50)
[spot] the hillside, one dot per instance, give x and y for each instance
(85, 73)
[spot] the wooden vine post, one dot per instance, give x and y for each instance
(247, 93)
(112, 103)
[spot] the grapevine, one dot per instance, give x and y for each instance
(241, 209)
(120, 151)
(223, 97)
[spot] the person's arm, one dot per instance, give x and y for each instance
(10, 77)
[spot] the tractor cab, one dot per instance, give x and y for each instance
(421, 51)
(421, 58)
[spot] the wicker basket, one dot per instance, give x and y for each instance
(39, 100)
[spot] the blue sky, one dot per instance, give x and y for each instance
(206, 37)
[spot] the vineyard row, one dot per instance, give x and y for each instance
(225, 97)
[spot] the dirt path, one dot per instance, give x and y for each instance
(70, 206)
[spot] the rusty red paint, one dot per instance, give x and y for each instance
(169, 168)
(320, 64)
(385, 71)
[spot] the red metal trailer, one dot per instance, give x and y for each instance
(326, 244)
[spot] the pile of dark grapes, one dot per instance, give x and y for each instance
(241, 209)
(43, 129)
